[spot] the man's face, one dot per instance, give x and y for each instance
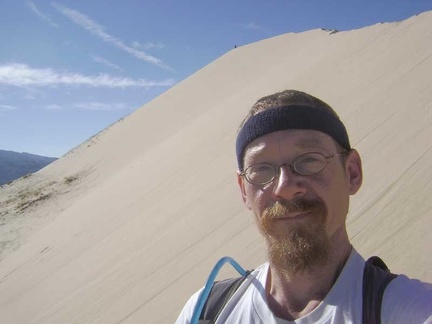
(301, 216)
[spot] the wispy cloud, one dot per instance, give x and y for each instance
(99, 31)
(252, 26)
(7, 108)
(21, 75)
(54, 107)
(148, 45)
(38, 13)
(105, 62)
(102, 106)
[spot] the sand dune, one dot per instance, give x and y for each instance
(127, 226)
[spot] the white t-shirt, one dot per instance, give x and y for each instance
(405, 300)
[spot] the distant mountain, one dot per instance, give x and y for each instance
(14, 165)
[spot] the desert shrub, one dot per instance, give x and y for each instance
(70, 179)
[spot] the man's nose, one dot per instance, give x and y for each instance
(288, 184)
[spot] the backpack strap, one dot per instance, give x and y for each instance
(220, 294)
(376, 277)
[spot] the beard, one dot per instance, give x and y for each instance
(296, 246)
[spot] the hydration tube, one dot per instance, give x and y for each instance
(209, 284)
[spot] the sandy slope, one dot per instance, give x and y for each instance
(133, 219)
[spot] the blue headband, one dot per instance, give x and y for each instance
(289, 117)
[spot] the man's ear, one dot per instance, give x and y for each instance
(354, 171)
(240, 181)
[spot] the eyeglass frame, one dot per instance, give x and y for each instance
(277, 168)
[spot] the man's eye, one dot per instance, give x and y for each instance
(309, 159)
(262, 168)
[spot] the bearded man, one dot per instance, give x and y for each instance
(296, 172)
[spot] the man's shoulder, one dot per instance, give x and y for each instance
(187, 311)
(409, 299)
(403, 287)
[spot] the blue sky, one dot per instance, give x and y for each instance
(69, 69)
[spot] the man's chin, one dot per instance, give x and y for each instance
(285, 228)
(298, 250)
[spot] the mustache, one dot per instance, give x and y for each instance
(299, 205)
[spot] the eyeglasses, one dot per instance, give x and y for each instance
(306, 165)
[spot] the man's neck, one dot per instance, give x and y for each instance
(293, 296)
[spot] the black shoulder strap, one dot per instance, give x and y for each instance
(220, 293)
(376, 277)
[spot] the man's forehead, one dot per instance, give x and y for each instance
(289, 118)
(295, 138)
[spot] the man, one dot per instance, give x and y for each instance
(296, 173)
